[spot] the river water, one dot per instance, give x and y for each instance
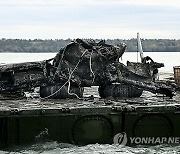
(170, 59)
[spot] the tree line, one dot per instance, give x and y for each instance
(49, 45)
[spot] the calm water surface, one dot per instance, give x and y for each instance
(170, 59)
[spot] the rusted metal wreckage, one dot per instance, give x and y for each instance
(90, 120)
(83, 64)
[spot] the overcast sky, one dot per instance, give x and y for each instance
(56, 19)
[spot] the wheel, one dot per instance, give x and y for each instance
(59, 92)
(119, 91)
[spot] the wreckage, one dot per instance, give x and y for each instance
(83, 64)
(86, 120)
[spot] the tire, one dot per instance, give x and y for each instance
(53, 91)
(119, 91)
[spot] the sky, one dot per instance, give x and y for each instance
(97, 19)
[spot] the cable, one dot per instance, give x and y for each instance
(90, 67)
(69, 79)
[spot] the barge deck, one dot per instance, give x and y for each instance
(92, 120)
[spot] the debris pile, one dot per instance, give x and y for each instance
(83, 64)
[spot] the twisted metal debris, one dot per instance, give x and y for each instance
(81, 64)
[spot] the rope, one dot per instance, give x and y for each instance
(69, 79)
(55, 91)
(69, 86)
(90, 67)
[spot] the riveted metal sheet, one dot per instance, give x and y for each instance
(93, 110)
(156, 108)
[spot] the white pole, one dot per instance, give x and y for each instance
(139, 47)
